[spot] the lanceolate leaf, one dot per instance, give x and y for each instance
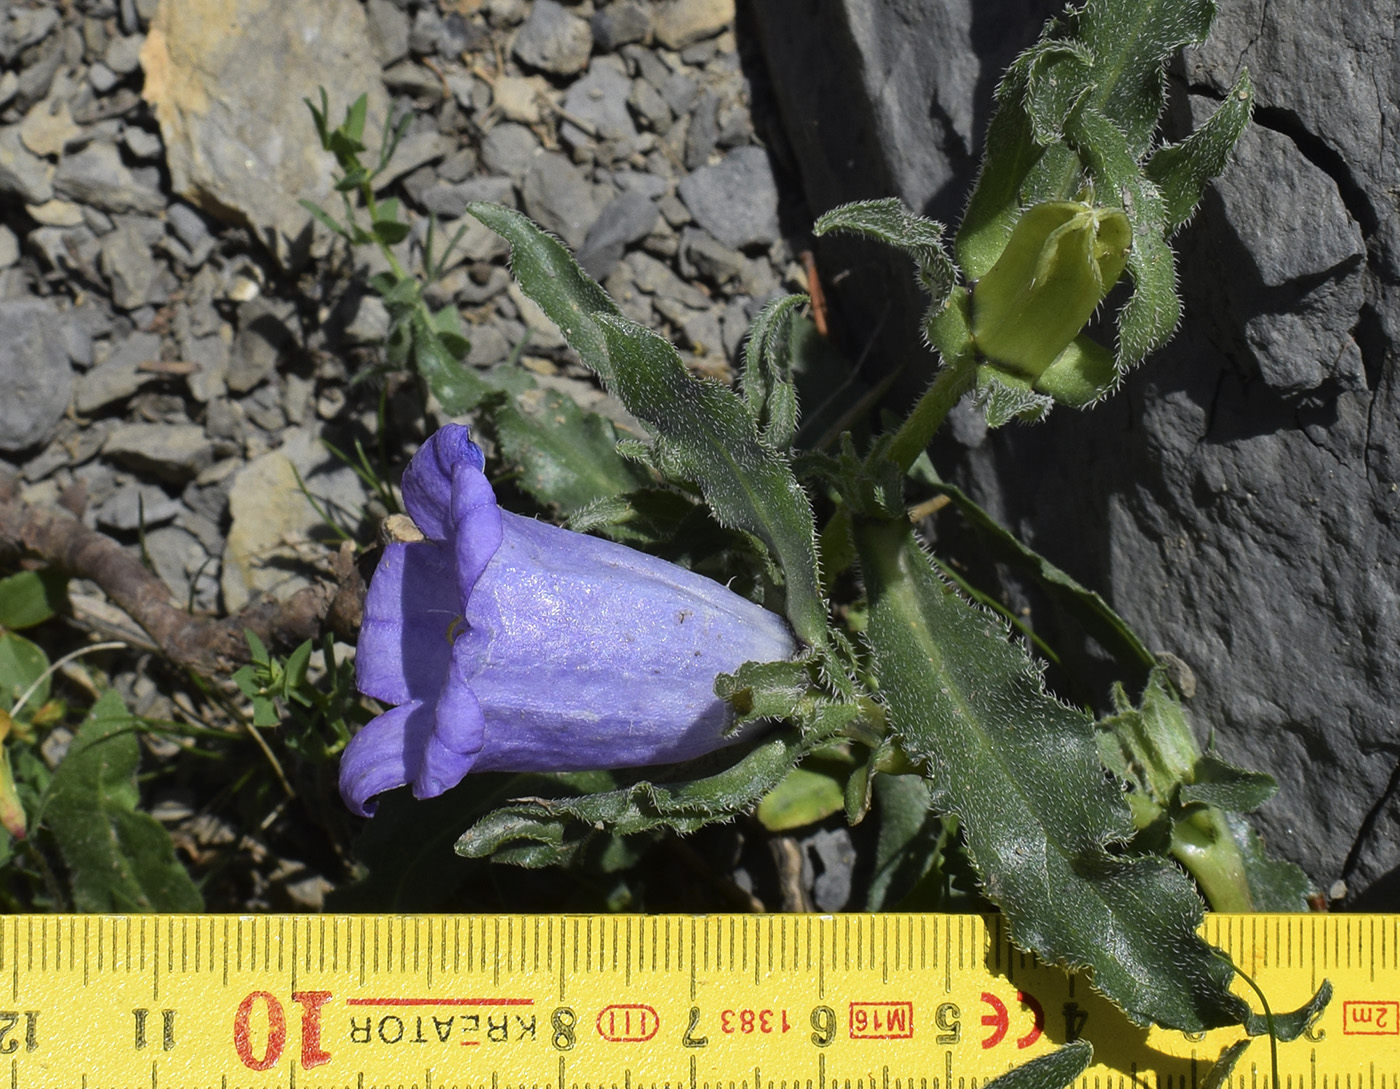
(119, 859)
(702, 430)
(1182, 170)
(889, 221)
(1053, 1071)
(547, 832)
(1021, 771)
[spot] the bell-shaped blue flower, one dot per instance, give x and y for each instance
(506, 644)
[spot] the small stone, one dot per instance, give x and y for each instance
(620, 24)
(627, 218)
(559, 198)
(173, 452)
(708, 258)
(188, 225)
(414, 80)
(48, 127)
(9, 247)
(450, 201)
(119, 376)
(178, 556)
(680, 23)
(703, 134)
(509, 149)
(554, 40)
(132, 272)
(736, 199)
(654, 278)
(370, 325)
(489, 346)
(55, 213)
(414, 150)
(263, 334)
(142, 144)
(649, 105)
(388, 31)
(29, 26)
(137, 506)
(600, 99)
(9, 84)
(123, 55)
(518, 98)
(34, 372)
(22, 173)
(97, 176)
(101, 78)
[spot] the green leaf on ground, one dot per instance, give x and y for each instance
(119, 859)
(31, 597)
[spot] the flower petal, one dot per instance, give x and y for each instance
(459, 731)
(403, 645)
(380, 756)
(427, 482)
(475, 525)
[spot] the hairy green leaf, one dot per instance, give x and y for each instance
(889, 221)
(702, 431)
(567, 457)
(1053, 1071)
(1227, 787)
(119, 859)
(1021, 772)
(547, 832)
(909, 846)
(767, 384)
(1182, 170)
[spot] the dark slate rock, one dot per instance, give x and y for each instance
(736, 199)
(1237, 501)
(97, 176)
(600, 99)
(34, 372)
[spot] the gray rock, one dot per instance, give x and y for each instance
(627, 218)
(97, 176)
(142, 144)
(180, 558)
(509, 149)
(171, 452)
(832, 855)
(654, 278)
(558, 197)
(28, 26)
(128, 262)
(1298, 310)
(101, 78)
(123, 55)
(415, 80)
(68, 248)
(736, 199)
(702, 136)
(273, 525)
(1236, 501)
(414, 150)
(554, 39)
(9, 247)
(388, 31)
(234, 150)
(600, 99)
(680, 23)
(650, 106)
(119, 376)
(188, 225)
(450, 201)
(620, 24)
(34, 372)
(22, 173)
(264, 333)
(137, 506)
(708, 258)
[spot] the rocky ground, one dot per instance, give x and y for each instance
(177, 340)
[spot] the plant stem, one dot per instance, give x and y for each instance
(956, 378)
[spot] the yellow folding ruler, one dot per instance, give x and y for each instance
(675, 1002)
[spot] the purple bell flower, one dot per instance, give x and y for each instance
(506, 644)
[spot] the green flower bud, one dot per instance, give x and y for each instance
(1060, 262)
